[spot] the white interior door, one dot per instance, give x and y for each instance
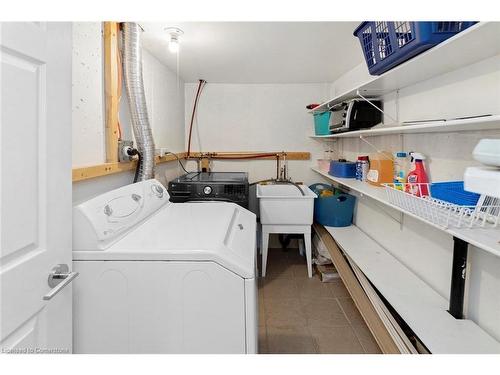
(35, 186)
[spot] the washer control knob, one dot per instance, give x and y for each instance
(157, 190)
(207, 190)
(108, 211)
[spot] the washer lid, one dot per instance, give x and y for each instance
(210, 231)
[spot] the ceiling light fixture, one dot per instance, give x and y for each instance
(173, 42)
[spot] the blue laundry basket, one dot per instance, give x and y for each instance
(387, 44)
(333, 211)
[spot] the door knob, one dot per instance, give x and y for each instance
(59, 277)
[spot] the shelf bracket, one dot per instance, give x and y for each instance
(390, 156)
(458, 278)
(377, 108)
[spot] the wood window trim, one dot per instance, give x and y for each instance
(105, 169)
(112, 89)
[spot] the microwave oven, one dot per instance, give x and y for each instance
(355, 114)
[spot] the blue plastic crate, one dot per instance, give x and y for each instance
(453, 192)
(344, 169)
(387, 44)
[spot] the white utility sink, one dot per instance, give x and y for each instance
(283, 204)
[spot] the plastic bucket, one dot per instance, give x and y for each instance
(322, 123)
(333, 211)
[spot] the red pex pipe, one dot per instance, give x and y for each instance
(200, 83)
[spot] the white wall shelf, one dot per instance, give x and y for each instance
(421, 307)
(485, 239)
(457, 125)
(477, 43)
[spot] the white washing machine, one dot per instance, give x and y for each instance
(162, 277)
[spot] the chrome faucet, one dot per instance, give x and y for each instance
(282, 168)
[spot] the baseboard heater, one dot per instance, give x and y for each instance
(388, 329)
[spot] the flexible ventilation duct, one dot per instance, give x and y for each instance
(134, 86)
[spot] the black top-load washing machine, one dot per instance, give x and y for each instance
(210, 186)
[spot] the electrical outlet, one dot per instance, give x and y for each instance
(123, 146)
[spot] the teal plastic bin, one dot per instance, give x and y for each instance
(333, 211)
(322, 123)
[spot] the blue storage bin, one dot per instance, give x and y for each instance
(344, 169)
(386, 44)
(322, 123)
(333, 211)
(453, 192)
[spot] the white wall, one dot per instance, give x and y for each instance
(427, 251)
(87, 109)
(256, 117)
(164, 98)
(165, 102)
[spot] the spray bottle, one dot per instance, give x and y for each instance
(417, 176)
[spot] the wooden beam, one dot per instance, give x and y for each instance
(112, 89)
(365, 307)
(86, 173)
(169, 157)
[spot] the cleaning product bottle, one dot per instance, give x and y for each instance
(362, 167)
(417, 176)
(400, 169)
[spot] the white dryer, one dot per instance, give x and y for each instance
(162, 277)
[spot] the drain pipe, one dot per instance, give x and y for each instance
(134, 87)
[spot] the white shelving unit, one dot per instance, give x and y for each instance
(458, 125)
(477, 43)
(419, 305)
(422, 308)
(485, 239)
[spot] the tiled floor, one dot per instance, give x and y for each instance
(302, 315)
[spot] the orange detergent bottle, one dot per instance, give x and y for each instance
(417, 178)
(381, 169)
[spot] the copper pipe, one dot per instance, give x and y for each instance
(230, 155)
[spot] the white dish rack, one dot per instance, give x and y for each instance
(485, 214)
